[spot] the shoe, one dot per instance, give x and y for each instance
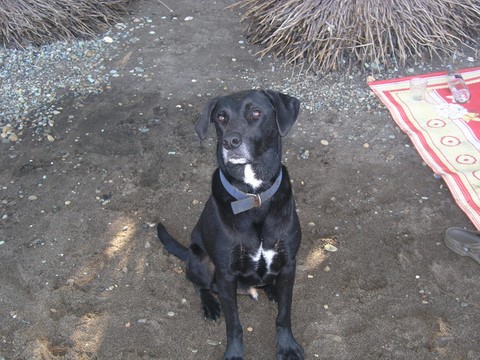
(463, 242)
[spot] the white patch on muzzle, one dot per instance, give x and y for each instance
(250, 178)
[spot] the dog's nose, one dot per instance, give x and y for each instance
(232, 141)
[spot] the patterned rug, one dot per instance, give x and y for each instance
(445, 134)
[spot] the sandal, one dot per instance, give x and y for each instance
(463, 242)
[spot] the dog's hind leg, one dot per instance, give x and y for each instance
(271, 292)
(210, 306)
(200, 271)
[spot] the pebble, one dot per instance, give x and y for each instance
(324, 142)
(171, 313)
(32, 197)
(37, 242)
(333, 337)
(330, 248)
(213, 342)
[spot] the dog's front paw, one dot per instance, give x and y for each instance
(290, 352)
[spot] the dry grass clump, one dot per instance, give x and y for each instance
(38, 22)
(323, 35)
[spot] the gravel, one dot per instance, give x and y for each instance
(33, 80)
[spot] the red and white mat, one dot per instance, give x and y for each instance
(445, 134)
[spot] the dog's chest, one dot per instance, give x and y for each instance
(256, 265)
(263, 259)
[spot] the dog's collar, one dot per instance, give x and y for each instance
(247, 201)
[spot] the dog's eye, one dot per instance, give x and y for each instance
(220, 118)
(256, 114)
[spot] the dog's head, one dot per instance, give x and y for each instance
(249, 127)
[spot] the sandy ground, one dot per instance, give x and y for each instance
(83, 275)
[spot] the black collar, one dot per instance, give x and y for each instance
(247, 201)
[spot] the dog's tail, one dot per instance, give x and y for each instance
(171, 245)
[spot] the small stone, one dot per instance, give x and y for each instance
(171, 313)
(333, 337)
(188, 18)
(366, 145)
(108, 39)
(213, 342)
(324, 142)
(68, 202)
(330, 248)
(50, 138)
(195, 202)
(32, 197)
(249, 329)
(70, 282)
(305, 155)
(13, 137)
(325, 307)
(326, 268)
(6, 129)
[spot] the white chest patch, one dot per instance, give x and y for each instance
(267, 255)
(250, 178)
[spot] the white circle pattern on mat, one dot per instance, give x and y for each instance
(450, 141)
(436, 123)
(466, 159)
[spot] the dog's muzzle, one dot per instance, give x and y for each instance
(234, 150)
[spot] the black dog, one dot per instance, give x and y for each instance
(248, 233)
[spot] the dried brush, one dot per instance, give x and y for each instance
(325, 35)
(38, 22)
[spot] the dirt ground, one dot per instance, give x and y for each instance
(83, 275)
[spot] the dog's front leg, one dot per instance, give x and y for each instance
(227, 292)
(287, 346)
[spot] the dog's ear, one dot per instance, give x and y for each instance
(286, 110)
(203, 121)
